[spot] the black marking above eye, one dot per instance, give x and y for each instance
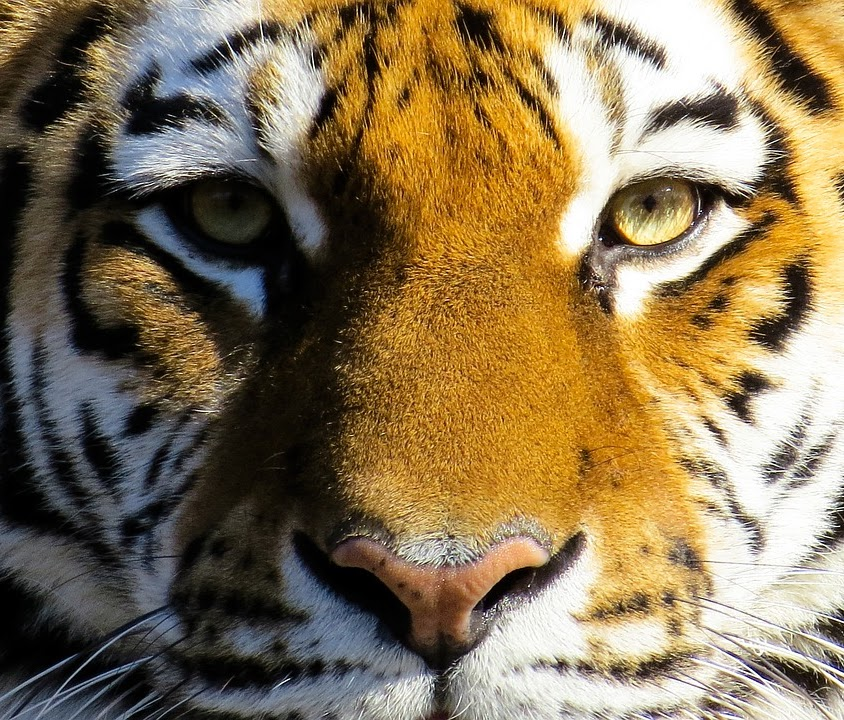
(237, 44)
(150, 114)
(718, 111)
(613, 34)
(794, 73)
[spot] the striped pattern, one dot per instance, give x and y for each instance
(437, 349)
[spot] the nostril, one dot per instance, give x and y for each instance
(359, 587)
(510, 586)
(526, 581)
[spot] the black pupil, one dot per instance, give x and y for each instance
(235, 200)
(650, 203)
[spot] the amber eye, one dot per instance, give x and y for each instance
(229, 212)
(652, 212)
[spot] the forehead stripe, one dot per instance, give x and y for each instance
(151, 114)
(792, 71)
(613, 34)
(63, 89)
(236, 44)
(718, 111)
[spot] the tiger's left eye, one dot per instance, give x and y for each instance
(231, 213)
(652, 212)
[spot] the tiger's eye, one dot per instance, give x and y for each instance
(653, 212)
(230, 212)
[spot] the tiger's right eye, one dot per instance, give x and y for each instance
(652, 212)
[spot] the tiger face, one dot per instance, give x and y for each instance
(421, 359)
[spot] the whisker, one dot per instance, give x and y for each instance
(769, 675)
(760, 622)
(115, 637)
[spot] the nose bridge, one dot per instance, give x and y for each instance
(463, 394)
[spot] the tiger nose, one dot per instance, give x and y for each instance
(442, 600)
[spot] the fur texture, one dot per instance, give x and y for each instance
(437, 347)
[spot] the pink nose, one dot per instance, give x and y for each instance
(440, 599)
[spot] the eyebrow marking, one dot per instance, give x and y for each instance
(612, 34)
(236, 44)
(718, 111)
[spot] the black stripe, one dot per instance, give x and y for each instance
(153, 473)
(776, 176)
(86, 334)
(173, 112)
(716, 477)
(25, 645)
(82, 526)
(141, 420)
(684, 555)
(613, 34)
(554, 19)
(537, 107)
(795, 74)
(477, 27)
(15, 182)
(718, 111)
(715, 431)
(248, 672)
(811, 461)
(786, 456)
(92, 171)
(63, 89)
(137, 527)
(98, 449)
(705, 320)
(838, 183)
(732, 249)
(788, 671)
(773, 332)
(327, 110)
(150, 114)
(237, 44)
(194, 447)
(637, 604)
(22, 501)
(127, 236)
(750, 384)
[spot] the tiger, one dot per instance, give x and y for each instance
(421, 359)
